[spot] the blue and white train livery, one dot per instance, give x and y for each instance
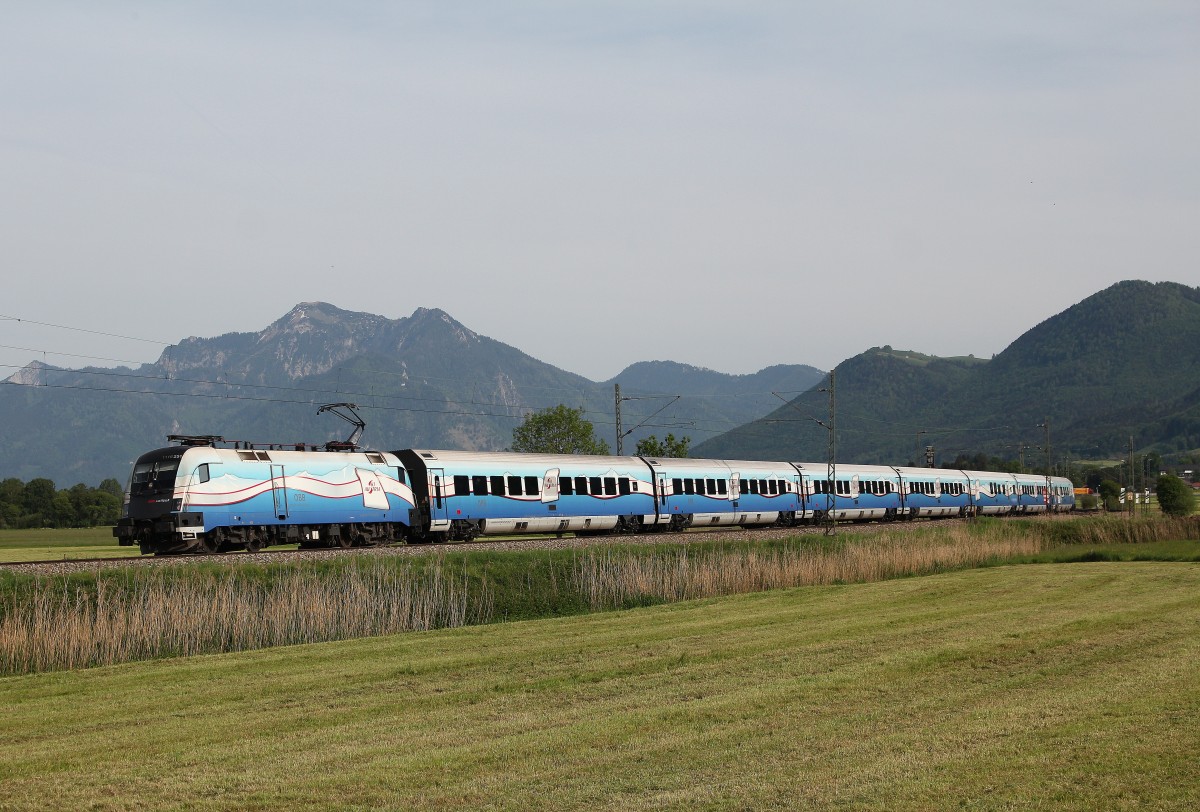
(207, 499)
(198, 497)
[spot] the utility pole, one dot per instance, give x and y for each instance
(1046, 425)
(830, 518)
(917, 455)
(831, 530)
(1132, 481)
(617, 400)
(621, 433)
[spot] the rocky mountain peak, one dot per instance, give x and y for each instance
(426, 320)
(32, 374)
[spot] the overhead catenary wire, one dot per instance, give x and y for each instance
(4, 317)
(596, 416)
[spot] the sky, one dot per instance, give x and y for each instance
(725, 184)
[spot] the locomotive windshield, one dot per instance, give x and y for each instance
(153, 476)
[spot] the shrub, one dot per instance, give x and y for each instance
(1175, 497)
(1110, 493)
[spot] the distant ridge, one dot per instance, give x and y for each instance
(1124, 362)
(423, 380)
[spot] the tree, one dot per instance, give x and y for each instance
(557, 430)
(1110, 492)
(1175, 497)
(670, 447)
(113, 487)
(38, 502)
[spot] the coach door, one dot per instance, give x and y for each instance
(279, 491)
(439, 510)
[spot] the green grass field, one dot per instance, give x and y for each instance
(44, 545)
(1037, 687)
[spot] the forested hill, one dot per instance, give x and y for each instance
(1123, 362)
(425, 380)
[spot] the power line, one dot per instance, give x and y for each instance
(289, 401)
(66, 354)
(82, 330)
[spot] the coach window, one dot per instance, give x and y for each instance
(531, 485)
(689, 486)
(514, 486)
(594, 486)
(623, 486)
(462, 486)
(581, 486)
(566, 486)
(498, 485)
(610, 486)
(676, 486)
(722, 487)
(479, 485)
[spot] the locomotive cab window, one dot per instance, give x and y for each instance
(202, 473)
(153, 476)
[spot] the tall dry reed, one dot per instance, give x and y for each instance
(610, 579)
(56, 626)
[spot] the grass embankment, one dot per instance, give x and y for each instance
(119, 615)
(1049, 687)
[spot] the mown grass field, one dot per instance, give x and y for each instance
(1053, 686)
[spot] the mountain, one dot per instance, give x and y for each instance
(1124, 362)
(425, 380)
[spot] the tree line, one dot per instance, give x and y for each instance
(38, 503)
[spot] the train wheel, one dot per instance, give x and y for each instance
(210, 543)
(254, 545)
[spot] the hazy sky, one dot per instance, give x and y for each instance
(731, 185)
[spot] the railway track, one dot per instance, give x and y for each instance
(500, 543)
